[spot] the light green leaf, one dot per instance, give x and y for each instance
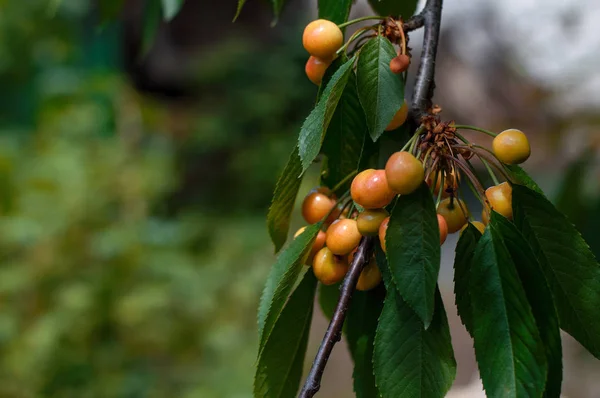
(284, 197)
(465, 250)
(239, 8)
(404, 8)
(571, 269)
(281, 280)
(381, 92)
(316, 124)
(509, 353)
(540, 298)
(281, 361)
(336, 11)
(171, 8)
(410, 361)
(413, 250)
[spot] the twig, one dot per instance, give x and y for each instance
(334, 331)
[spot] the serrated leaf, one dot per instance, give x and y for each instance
(281, 280)
(239, 8)
(380, 91)
(465, 250)
(540, 298)
(413, 250)
(408, 360)
(313, 130)
(509, 353)
(281, 361)
(404, 8)
(345, 137)
(336, 11)
(571, 269)
(521, 177)
(284, 197)
(171, 8)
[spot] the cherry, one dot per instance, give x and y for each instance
(511, 146)
(452, 210)
(383, 231)
(342, 236)
(485, 215)
(318, 244)
(369, 277)
(322, 38)
(368, 221)
(500, 198)
(404, 173)
(370, 189)
(315, 206)
(315, 69)
(399, 118)
(399, 63)
(443, 225)
(328, 267)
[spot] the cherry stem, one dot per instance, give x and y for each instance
(489, 170)
(440, 190)
(474, 128)
(361, 19)
(352, 38)
(411, 140)
(463, 166)
(344, 181)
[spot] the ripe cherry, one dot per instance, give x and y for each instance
(511, 147)
(382, 232)
(404, 173)
(368, 221)
(315, 206)
(369, 277)
(318, 244)
(500, 198)
(328, 267)
(399, 118)
(370, 189)
(342, 236)
(452, 210)
(399, 63)
(322, 39)
(443, 225)
(315, 69)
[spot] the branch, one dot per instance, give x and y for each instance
(334, 331)
(431, 17)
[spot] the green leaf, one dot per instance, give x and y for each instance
(361, 326)
(408, 360)
(336, 11)
(521, 177)
(284, 197)
(413, 250)
(381, 92)
(239, 8)
(109, 10)
(404, 8)
(171, 8)
(151, 23)
(539, 297)
(571, 269)
(571, 199)
(328, 299)
(465, 250)
(509, 353)
(281, 280)
(277, 7)
(345, 137)
(281, 361)
(316, 124)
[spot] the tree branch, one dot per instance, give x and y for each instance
(334, 331)
(425, 82)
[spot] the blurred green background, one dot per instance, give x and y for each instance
(135, 176)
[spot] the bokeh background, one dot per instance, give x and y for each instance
(135, 176)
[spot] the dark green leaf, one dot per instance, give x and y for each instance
(540, 298)
(521, 177)
(571, 269)
(281, 361)
(336, 11)
(328, 299)
(239, 8)
(345, 137)
(316, 124)
(284, 197)
(413, 250)
(109, 10)
(465, 250)
(381, 92)
(511, 358)
(151, 23)
(277, 7)
(171, 8)
(281, 280)
(410, 361)
(404, 8)
(571, 199)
